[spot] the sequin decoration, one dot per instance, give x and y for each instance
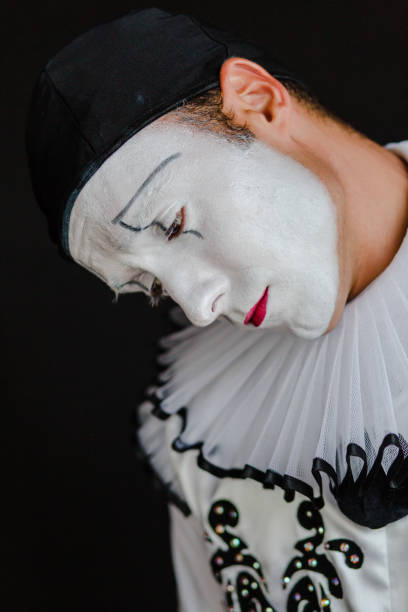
(353, 555)
(249, 591)
(304, 591)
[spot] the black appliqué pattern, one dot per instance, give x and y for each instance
(248, 594)
(247, 591)
(312, 560)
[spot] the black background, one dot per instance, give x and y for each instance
(85, 530)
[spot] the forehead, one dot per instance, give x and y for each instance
(135, 169)
(125, 171)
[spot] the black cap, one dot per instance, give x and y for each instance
(108, 84)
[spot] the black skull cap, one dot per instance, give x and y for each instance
(108, 84)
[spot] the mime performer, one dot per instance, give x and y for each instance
(177, 160)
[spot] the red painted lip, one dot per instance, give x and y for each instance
(257, 313)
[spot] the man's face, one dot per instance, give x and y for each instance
(244, 232)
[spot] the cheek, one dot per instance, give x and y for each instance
(242, 238)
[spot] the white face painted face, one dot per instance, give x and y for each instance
(248, 233)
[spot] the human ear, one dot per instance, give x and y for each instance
(253, 98)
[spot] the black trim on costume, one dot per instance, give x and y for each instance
(158, 482)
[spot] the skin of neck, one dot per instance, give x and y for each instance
(367, 183)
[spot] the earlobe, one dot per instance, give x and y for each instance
(251, 96)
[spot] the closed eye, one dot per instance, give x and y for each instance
(133, 282)
(156, 292)
(171, 232)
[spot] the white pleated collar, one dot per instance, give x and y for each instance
(272, 406)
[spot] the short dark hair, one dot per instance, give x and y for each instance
(205, 112)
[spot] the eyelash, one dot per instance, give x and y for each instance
(156, 292)
(176, 228)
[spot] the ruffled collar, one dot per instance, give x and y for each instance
(284, 410)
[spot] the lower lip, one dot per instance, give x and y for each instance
(258, 312)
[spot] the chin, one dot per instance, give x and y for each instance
(311, 331)
(311, 328)
(305, 330)
(306, 333)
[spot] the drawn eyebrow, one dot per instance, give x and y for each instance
(143, 186)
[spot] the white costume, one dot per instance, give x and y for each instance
(288, 459)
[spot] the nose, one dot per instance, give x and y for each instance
(202, 297)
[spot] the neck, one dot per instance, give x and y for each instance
(369, 184)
